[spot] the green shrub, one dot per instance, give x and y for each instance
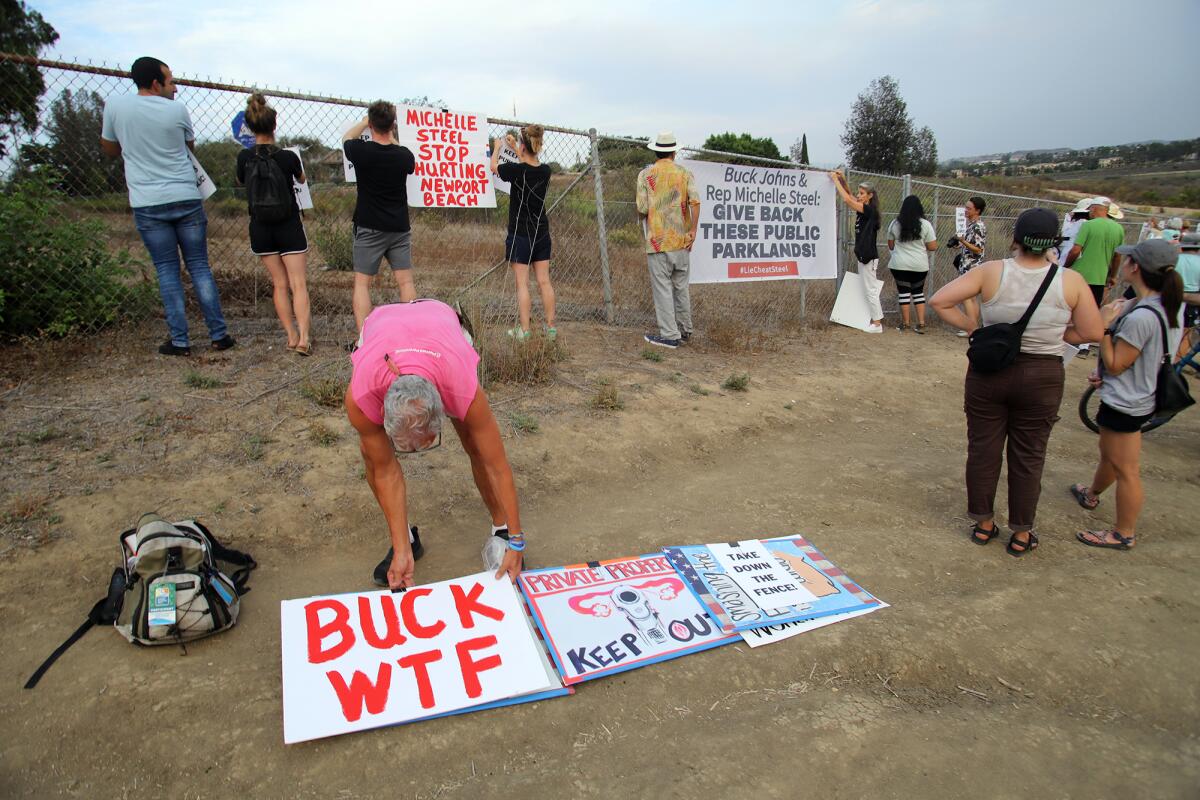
(327, 392)
(56, 275)
(335, 244)
(737, 382)
(650, 354)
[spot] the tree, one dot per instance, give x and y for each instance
(745, 144)
(74, 152)
(23, 32)
(922, 153)
(799, 150)
(878, 132)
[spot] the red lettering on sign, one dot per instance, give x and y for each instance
(392, 636)
(361, 691)
(470, 667)
(410, 616)
(317, 632)
(419, 664)
(467, 604)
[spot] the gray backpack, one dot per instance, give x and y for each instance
(176, 583)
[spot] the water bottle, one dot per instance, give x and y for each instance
(493, 552)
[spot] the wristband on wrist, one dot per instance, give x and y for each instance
(516, 544)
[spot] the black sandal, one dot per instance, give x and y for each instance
(981, 535)
(1028, 546)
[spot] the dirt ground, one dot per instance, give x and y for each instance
(1068, 673)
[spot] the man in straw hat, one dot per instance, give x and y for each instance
(1094, 254)
(669, 206)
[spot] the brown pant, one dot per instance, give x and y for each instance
(1018, 404)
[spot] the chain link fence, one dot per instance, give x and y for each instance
(598, 267)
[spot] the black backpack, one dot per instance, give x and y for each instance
(269, 192)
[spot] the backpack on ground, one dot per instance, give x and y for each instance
(269, 192)
(169, 589)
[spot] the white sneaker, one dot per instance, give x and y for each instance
(874, 327)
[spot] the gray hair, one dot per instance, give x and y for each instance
(412, 410)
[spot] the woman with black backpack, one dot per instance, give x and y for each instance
(1131, 350)
(276, 229)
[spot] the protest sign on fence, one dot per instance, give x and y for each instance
(730, 598)
(301, 190)
(763, 223)
(960, 221)
(507, 156)
(606, 617)
(451, 153)
(364, 660)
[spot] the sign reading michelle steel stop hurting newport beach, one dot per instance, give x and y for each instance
(451, 150)
(762, 223)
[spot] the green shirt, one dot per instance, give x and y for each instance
(1099, 238)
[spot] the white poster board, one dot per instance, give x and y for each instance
(851, 308)
(748, 564)
(347, 167)
(960, 220)
(769, 634)
(363, 660)
(507, 156)
(451, 148)
(303, 194)
(763, 223)
(203, 182)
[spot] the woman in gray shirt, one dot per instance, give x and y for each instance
(1130, 352)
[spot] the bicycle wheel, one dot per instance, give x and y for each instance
(1089, 407)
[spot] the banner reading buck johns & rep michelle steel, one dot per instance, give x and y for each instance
(762, 223)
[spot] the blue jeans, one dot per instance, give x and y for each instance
(166, 230)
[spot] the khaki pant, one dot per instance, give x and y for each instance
(669, 285)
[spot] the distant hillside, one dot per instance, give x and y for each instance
(1065, 159)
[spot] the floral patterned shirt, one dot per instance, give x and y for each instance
(664, 191)
(975, 236)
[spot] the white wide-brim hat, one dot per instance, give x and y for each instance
(665, 142)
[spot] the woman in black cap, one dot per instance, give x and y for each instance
(1127, 376)
(1017, 406)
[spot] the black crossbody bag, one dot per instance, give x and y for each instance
(994, 347)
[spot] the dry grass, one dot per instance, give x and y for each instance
(607, 398)
(737, 382)
(322, 435)
(507, 360)
(194, 379)
(325, 392)
(734, 335)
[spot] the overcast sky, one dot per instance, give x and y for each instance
(985, 76)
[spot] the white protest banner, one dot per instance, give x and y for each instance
(607, 617)
(960, 220)
(203, 182)
(507, 156)
(358, 661)
(763, 223)
(769, 634)
(451, 148)
(750, 566)
(347, 167)
(303, 195)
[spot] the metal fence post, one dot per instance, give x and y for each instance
(936, 202)
(906, 185)
(601, 229)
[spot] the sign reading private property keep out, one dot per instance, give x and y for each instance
(763, 223)
(358, 661)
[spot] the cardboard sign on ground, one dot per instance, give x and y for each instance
(734, 607)
(364, 660)
(606, 617)
(850, 308)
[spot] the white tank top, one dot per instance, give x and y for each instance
(1018, 285)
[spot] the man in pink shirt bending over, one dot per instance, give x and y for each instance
(415, 365)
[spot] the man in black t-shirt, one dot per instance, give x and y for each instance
(381, 228)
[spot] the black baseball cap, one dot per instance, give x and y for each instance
(1037, 229)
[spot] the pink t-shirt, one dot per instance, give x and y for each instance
(422, 338)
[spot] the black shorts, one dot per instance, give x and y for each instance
(1191, 316)
(1120, 422)
(519, 250)
(278, 239)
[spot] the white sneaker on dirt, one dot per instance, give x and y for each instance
(874, 327)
